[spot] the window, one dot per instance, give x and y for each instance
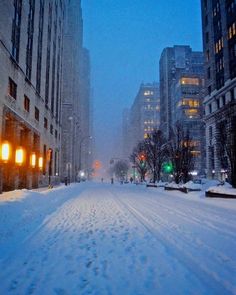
(49, 39)
(40, 46)
(192, 113)
(12, 88)
(232, 94)
(26, 103)
(209, 90)
(210, 108)
(189, 81)
(217, 104)
(36, 114)
(45, 123)
(55, 133)
(210, 132)
(223, 100)
(194, 103)
(51, 129)
(207, 55)
(30, 31)
(209, 73)
(16, 24)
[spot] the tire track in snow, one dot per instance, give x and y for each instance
(209, 278)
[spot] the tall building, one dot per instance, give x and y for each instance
(76, 104)
(219, 40)
(187, 109)
(31, 46)
(86, 139)
(145, 113)
(174, 61)
(71, 120)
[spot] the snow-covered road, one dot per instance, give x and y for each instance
(103, 239)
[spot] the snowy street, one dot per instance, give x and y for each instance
(95, 238)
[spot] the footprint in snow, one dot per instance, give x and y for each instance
(143, 259)
(13, 285)
(88, 264)
(60, 291)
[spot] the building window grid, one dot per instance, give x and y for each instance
(30, 32)
(54, 63)
(48, 59)
(16, 28)
(40, 46)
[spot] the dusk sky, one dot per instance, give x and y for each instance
(125, 39)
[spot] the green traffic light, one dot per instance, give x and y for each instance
(168, 168)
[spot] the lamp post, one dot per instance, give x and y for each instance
(5, 155)
(80, 148)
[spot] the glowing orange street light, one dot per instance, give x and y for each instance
(19, 156)
(5, 151)
(40, 163)
(33, 160)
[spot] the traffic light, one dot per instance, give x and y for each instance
(168, 167)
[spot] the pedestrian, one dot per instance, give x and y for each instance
(66, 180)
(131, 179)
(112, 180)
(102, 179)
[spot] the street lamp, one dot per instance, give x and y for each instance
(5, 151)
(80, 148)
(5, 155)
(19, 156)
(33, 160)
(40, 162)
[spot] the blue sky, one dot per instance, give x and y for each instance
(125, 39)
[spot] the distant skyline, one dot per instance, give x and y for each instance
(125, 39)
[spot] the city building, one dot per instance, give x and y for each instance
(219, 40)
(76, 113)
(187, 109)
(144, 114)
(31, 46)
(174, 61)
(86, 139)
(71, 132)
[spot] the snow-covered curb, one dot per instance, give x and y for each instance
(223, 191)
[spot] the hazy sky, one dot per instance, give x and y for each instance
(125, 39)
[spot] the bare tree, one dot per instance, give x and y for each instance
(138, 158)
(226, 147)
(180, 148)
(120, 169)
(156, 153)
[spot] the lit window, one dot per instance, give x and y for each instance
(189, 81)
(194, 103)
(192, 113)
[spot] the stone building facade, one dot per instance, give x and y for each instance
(219, 40)
(31, 47)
